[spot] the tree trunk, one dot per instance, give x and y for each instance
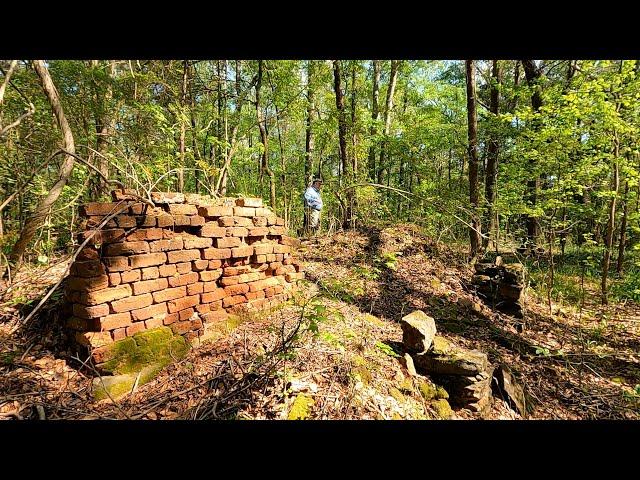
(474, 230)
(492, 158)
(264, 164)
(606, 259)
(42, 210)
(623, 229)
(103, 130)
(308, 143)
(342, 140)
(183, 127)
(387, 118)
(375, 115)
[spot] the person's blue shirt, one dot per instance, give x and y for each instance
(312, 198)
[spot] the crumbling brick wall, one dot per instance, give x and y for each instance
(188, 261)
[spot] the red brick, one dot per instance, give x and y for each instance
(182, 209)
(279, 257)
(169, 294)
(186, 279)
(226, 222)
(271, 257)
(181, 327)
(250, 277)
(93, 339)
(115, 279)
(278, 289)
(87, 253)
(281, 249)
(249, 202)
(126, 221)
(115, 320)
(183, 256)
(196, 324)
(104, 236)
(291, 241)
(262, 284)
(212, 296)
(271, 219)
(260, 258)
(184, 267)
(216, 253)
(91, 268)
(148, 259)
(182, 220)
(237, 232)
(279, 221)
(95, 311)
(136, 208)
(195, 288)
(132, 303)
(259, 221)
(165, 220)
(226, 281)
(199, 265)
(275, 265)
(197, 242)
(227, 242)
(242, 251)
(164, 245)
(83, 324)
(158, 310)
(164, 198)
(213, 264)
(229, 301)
(263, 249)
(150, 273)
(215, 316)
(119, 334)
(167, 270)
(130, 276)
(197, 221)
(153, 323)
(210, 275)
(242, 222)
(106, 295)
(88, 284)
(186, 314)
(202, 307)
(170, 318)
(258, 231)
(149, 286)
(264, 212)
(215, 211)
(148, 220)
(258, 303)
(145, 234)
(135, 328)
(287, 261)
(269, 292)
(244, 212)
(255, 295)
(209, 286)
(97, 222)
(123, 194)
(236, 289)
(212, 230)
(231, 271)
(182, 303)
(101, 209)
(126, 248)
(277, 230)
(217, 305)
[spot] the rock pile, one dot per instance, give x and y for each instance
(500, 285)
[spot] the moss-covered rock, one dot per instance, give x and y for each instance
(113, 387)
(300, 409)
(396, 394)
(427, 390)
(442, 408)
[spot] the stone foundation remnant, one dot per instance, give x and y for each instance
(500, 285)
(189, 261)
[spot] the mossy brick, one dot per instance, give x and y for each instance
(158, 310)
(114, 279)
(101, 209)
(148, 259)
(90, 268)
(181, 220)
(88, 284)
(227, 242)
(238, 289)
(215, 211)
(210, 275)
(185, 279)
(88, 312)
(115, 320)
(249, 202)
(169, 294)
(182, 209)
(183, 267)
(182, 303)
(216, 253)
(186, 313)
(167, 270)
(237, 232)
(234, 300)
(195, 288)
(183, 256)
(210, 286)
(258, 231)
(146, 286)
(210, 230)
(145, 234)
(226, 221)
(246, 251)
(150, 273)
(106, 295)
(199, 265)
(132, 303)
(126, 248)
(197, 242)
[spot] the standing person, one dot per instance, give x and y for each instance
(312, 206)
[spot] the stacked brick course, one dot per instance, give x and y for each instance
(188, 261)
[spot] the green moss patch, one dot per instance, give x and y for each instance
(300, 410)
(442, 408)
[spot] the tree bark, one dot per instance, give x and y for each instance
(623, 229)
(183, 127)
(474, 230)
(387, 118)
(42, 209)
(492, 158)
(375, 116)
(264, 164)
(342, 140)
(308, 143)
(608, 244)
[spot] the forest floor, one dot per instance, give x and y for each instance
(335, 351)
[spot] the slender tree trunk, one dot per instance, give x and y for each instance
(308, 144)
(354, 141)
(375, 116)
(183, 127)
(387, 118)
(103, 130)
(606, 259)
(44, 205)
(623, 229)
(342, 140)
(474, 230)
(492, 158)
(264, 165)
